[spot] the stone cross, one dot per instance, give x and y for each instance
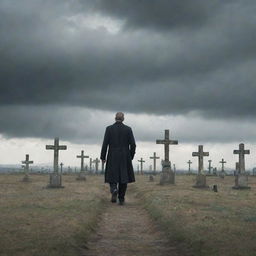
(27, 163)
(56, 147)
(82, 156)
(167, 142)
(90, 164)
(96, 161)
(241, 152)
(209, 166)
(189, 165)
(61, 167)
(141, 164)
(222, 162)
(154, 157)
(200, 154)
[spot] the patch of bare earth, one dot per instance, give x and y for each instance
(128, 230)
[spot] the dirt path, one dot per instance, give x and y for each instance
(128, 230)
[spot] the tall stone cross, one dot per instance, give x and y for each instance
(96, 161)
(61, 167)
(222, 162)
(90, 164)
(154, 157)
(189, 165)
(141, 164)
(200, 154)
(167, 142)
(82, 156)
(56, 147)
(27, 163)
(241, 152)
(209, 166)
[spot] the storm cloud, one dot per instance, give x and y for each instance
(147, 57)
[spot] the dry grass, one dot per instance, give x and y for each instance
(208, 223)
(40, 221)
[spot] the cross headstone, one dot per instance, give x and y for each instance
(241, 179)
(81, 175)
(154, 157)
(200, 179)
(26, 163)
(209, 166)
(189, 166)
(96, 161)
(167, 175)
(55, 177)
(141, 165)
(90, 166)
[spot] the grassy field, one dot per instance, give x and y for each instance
(207, 223)
(40, 221)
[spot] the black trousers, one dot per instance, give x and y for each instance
(121, 187)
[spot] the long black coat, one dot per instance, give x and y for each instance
(120, 143)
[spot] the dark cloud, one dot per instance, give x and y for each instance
(162, 57)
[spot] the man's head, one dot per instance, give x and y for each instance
(119, 117)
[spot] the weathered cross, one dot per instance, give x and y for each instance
(61, 167)
(166, 141)
(222, 162)
(200, 154)
(90, 164)
(56, 147)
(154, 157)
(241, 152)
(27, 163)
(189, 164)
(209, 166)
(96, 161)
(141, 164)
(82, 156)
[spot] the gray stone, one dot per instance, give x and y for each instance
(55, 181)
(200, 181)
(241, 182)
(151, 178)
(167, 175)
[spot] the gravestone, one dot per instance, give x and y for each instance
(154, 157)
(222, 173)
(209, 166)
(167, 175)
(81, 175)
(96, 162)
(151, 178)
(189, 166)
(141, 165)
(241, 179)
(55, 177)
(200, 178)
(26, 168)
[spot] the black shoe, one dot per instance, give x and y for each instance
(114, 196)
(121, 201)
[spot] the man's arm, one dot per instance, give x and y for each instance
(132, 144)
(104, 145)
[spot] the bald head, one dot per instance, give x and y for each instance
(119, 117)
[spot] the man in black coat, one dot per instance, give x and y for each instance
(120, 143)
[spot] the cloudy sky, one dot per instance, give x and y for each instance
(68, 65)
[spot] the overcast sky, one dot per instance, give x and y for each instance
(67, 66)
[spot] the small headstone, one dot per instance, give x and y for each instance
(81, 175)
(189, 166)
(151, 178)
(26, 168)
